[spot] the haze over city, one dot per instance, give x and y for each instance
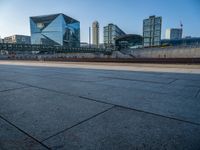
(128, 15)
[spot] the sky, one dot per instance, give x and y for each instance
(126, 14)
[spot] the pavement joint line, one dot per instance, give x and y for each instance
(99, 101)
(198, 93)
(172, 81)
(146, 112)
(25, 133)
(13, 89)
(117, 78)
(159, 115)
(51, 90)
(79, 123)
(29, 85)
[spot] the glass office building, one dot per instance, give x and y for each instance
(174, 34)
(111, 32)
(56, 29)
(152, 31)
(129, 41)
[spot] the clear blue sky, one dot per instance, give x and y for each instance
(127, 14)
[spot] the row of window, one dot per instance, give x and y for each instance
(151, 34)
(148, 40)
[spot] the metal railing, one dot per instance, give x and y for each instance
(51, 49)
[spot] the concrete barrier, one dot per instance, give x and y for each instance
(182, 52)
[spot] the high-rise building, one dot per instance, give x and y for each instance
(152, 31)
(111, 32)
(174, 33)
(18, 39)
(1, 40)
(56, 29)
(95, 34)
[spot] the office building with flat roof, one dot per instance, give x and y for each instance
(152, 31)
(56, 29)
(18, 39)
(95, 34)
(111, 32)
(174, 34)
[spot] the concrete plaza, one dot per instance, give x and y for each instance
(99, 106)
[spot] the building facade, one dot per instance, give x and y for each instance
(95, 34)
(56, 29)
(152, 31)
(111, 32)
(1, 40)
(18, 39)
(174, 34)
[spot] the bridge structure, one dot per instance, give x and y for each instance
(10, 47)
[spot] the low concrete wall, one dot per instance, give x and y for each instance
(181, 52)
(178, 52)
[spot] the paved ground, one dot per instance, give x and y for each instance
(113, 107)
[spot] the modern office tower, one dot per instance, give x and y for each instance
(56, 29)
(95, 34)
(152, 31)
(18, 39)
(174, 34)
(111, 32)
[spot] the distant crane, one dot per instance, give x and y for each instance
(181, 24)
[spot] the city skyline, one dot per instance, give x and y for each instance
(128, 16)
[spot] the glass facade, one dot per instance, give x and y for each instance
(152, 31)
(128, 41)
(174, 34)
(111, 32)
(57, 29)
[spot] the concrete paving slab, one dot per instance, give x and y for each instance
(5, 86)
(13, 139)
(186, 83)
(29, 74)
(125, 129)
(164, 104)
(183, 76)
(132, 76)
(179, 106)
(71, 87)
(43, 113)
(185, 91)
